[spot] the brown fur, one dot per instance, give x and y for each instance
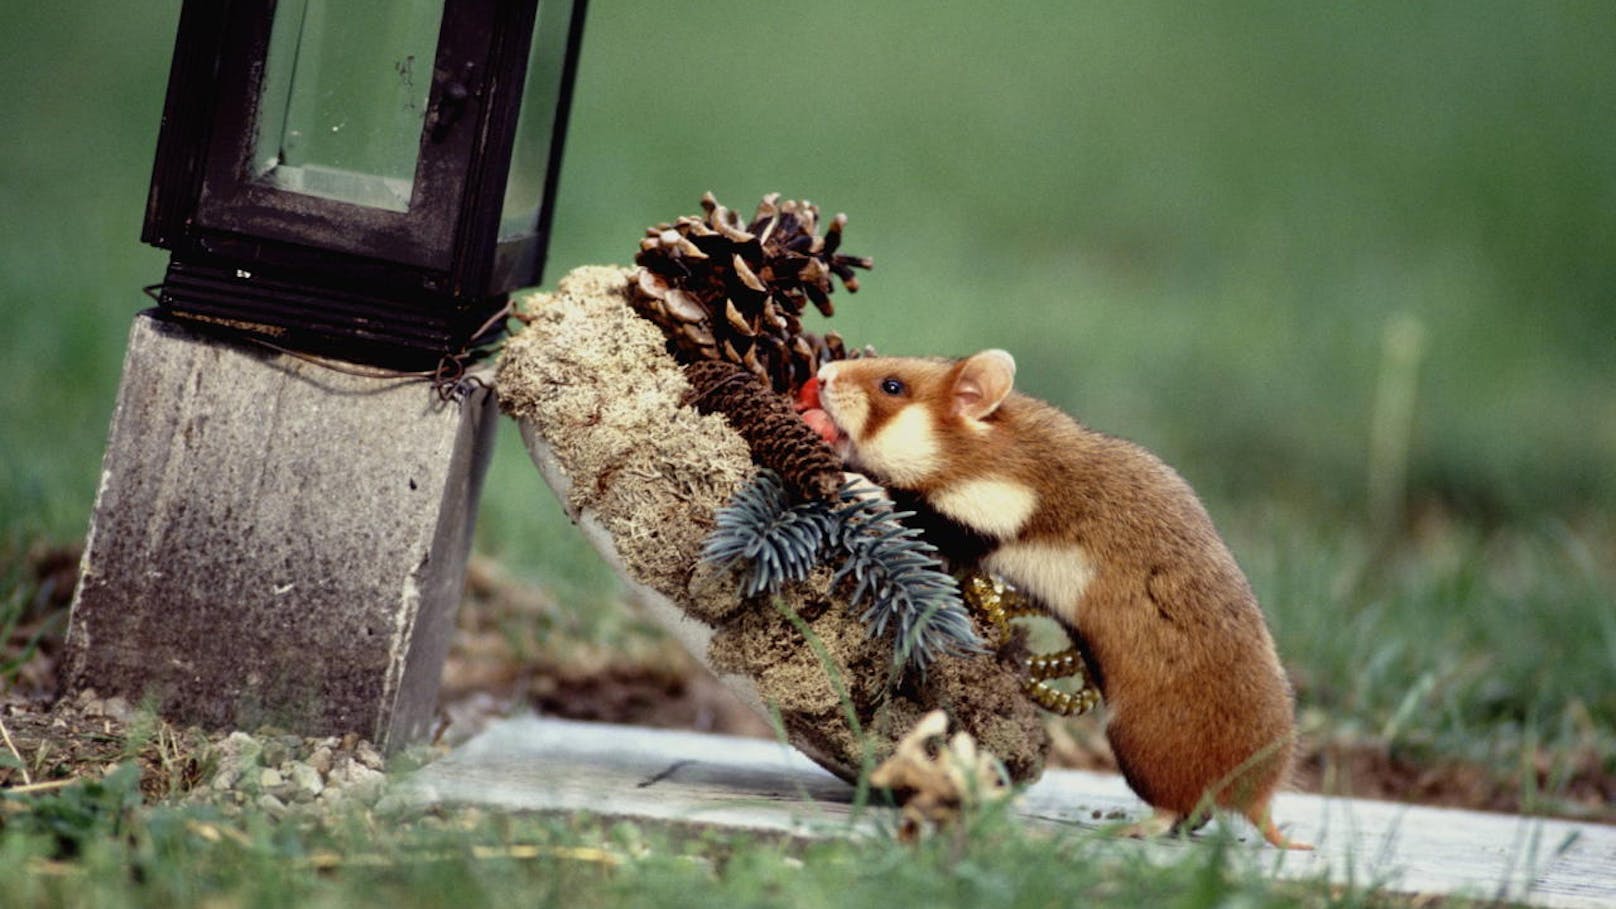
(1201, 712)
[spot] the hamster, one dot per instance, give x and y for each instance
(1119, 550)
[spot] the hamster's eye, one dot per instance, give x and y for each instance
(892, 386)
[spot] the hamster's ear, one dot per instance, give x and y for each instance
(983, 382)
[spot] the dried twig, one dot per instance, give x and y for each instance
(44, 785)
(326, 860)
(27, 781)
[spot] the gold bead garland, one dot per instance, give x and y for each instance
(998, 603)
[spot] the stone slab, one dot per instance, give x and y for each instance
(275, 541)
(543, 764)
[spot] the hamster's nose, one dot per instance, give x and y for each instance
(827, 374)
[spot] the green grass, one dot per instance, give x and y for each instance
(1493, 649)
(90, 845)
(1190, 227)
(1193, 227)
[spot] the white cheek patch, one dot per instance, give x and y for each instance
(998, 508)
(1056, 573)
(848, 411)
(904, 451)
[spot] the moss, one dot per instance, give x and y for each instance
(594, 382)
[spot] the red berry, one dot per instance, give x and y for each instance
(808, 395)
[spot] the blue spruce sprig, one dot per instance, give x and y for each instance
(892, 571)
(769, 539)
(898, 575)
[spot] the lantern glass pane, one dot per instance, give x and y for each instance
(535, 123)
(344, 97)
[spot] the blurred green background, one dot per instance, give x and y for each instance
(1262, 238)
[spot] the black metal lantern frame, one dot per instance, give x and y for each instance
(396, 285)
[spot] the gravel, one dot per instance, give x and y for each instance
(285, 774)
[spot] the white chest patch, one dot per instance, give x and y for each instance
(1056, 573)
(905, 450)
(999, 508)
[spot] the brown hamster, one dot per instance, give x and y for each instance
(1116, 546)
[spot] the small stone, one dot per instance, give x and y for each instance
(306, 778)
(321, 759)
(240, 749)
(367, 755)
(271, 804)
(237, 739)
(275, 752)
(270, 778)
(237, 754)
(117, 708)
(359, 781)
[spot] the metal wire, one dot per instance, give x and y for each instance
(450, 379)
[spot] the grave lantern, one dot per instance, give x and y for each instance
(366, 179)
(277, 538)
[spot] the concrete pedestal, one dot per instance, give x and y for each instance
(276, 542)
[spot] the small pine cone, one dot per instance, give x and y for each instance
(779, 439)
(721, 288)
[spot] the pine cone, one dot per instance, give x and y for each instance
(721, 291)
(779, 439)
